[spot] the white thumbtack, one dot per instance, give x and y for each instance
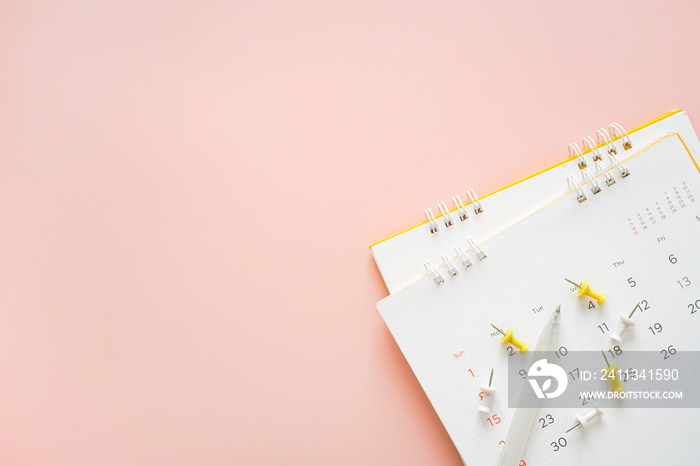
(626, 322)
(488, 392)
(584, 420)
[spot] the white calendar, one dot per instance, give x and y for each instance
(400, 258)
(637, 240)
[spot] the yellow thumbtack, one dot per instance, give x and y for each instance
(610, 373)
(584, 289)
(509, 338)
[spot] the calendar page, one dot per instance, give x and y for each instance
(400, 258)
(637, 241)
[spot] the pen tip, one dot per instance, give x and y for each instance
(558, 308)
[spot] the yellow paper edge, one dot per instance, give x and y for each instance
(568, 159)
(584, 184)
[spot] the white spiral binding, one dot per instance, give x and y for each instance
(476, 203)
(461, 210)
(609, 180)
(595, 187)
(580, 196)
(588, 141)
(609, 146)
(450, 268)
(602, 136)
(624, 137)
(447, 218)
(465, 260)
(432, 270)
(431, 220)
(575, 150)
(479, 252)
(624, 172)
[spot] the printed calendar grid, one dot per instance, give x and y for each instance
(619, 301)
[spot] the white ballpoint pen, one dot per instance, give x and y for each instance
(524, 418)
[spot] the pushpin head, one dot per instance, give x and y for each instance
(583, 420)
(508, 338)
(585, 289)
(487, 392)
(626, 322)
(611, 374)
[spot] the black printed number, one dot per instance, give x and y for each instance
(547, 420)
(667, 353)
(694, 307)
(559, 444)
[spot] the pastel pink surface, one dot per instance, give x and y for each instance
(188, 192)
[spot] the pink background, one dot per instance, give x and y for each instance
(188, 191)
